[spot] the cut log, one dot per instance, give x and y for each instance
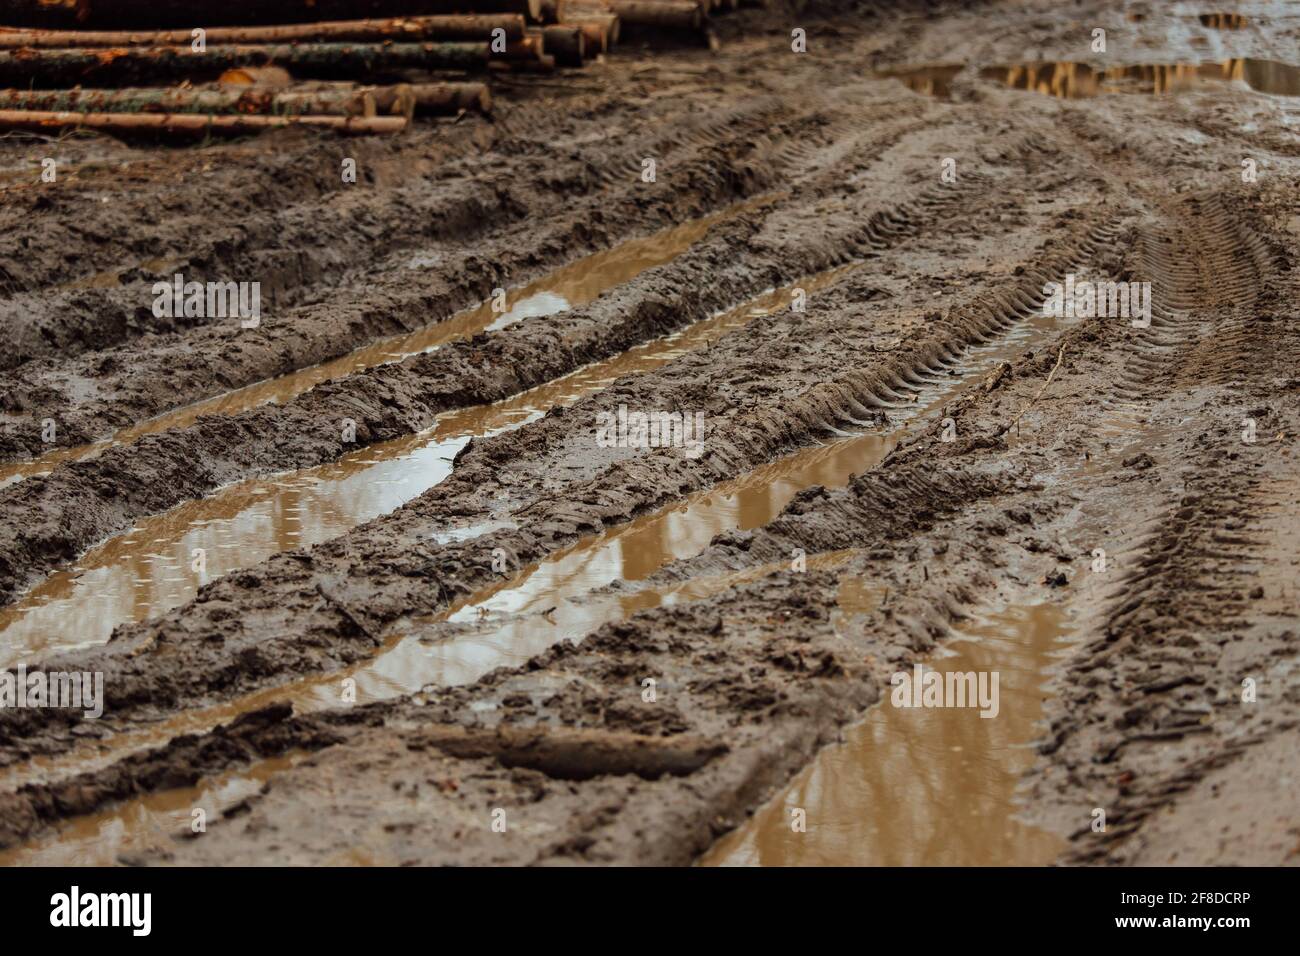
(531, 48)
(44, 68)
(248, 100)
(665, 14)
(191, 124)
(187, 14)
(669, 14)
(440, 99)
(467, 27)
(542, 64)
(601, 30)
(272, 76)
(566, 43)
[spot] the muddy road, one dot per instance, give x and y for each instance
(554, 515)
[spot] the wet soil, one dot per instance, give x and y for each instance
(474, 632)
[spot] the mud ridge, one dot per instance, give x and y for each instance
(416, 580)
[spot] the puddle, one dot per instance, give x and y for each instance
(511, 627)
(923, 786)
(553, 599)
(572, 286)
(98, 838)
(930, 80)
(1078, 80)
(152, 569)
(630, 552)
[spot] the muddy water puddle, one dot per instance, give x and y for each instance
(99, 839)
(1066, 80)
(929, 80)
(554, 599)
(1078, 80)
(163, 562)
(924, 786)
(572, 286)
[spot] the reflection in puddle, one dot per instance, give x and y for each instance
(1078, 80)
(156, 566)
(572, 286)
(152, 569)
(923, 786)
(563, 581)
(553, 600)
(929, 80)
(98, 839)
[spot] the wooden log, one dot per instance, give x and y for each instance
(248, 100)
(465, 27)
(668, 14)
(542, 64)
(600, 29)
(192, 124)
(407, 99)
(566, 43)
(187, 14)
(529, 49)
(68, 67)
(665, 14)
(438, 99)
(272, 76)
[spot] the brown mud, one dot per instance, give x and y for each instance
(653, 655)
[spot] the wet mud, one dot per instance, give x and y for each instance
(371, 648)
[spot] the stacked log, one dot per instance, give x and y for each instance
(462, 27)
(192, 124)
(77, 64)
(187, 14)
(359, 58)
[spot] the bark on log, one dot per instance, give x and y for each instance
(191, 124)
(531, 48)
(247, 100)
(674, 15)
(567, 753)
(600, 29)
(467, 27)
(187, 14)
(440, 99)
(26, 68)
(566, 43)
(665, 14)
(272, 76)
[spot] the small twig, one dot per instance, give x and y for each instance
(1034, 401)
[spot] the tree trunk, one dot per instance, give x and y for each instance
(25, 68)
(248, 100)
(192, 124)
(669, 14)
(567, 44)
(187, 14)
(479, 27)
